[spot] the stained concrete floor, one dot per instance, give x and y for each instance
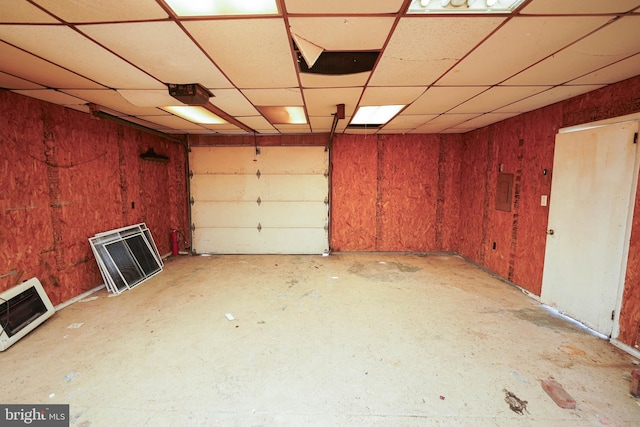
(343, 340)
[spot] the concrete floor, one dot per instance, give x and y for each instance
(344, 340)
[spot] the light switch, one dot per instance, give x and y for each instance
(543, 200)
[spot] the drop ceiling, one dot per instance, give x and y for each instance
(454, 73)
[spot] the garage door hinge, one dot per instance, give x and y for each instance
(635, 138)
(190, 174)
(259, 201)
(193, 227)
(613, 314)
(326, 173)
(326, 200)
(258, 174)
(192, 201)
(259, 227)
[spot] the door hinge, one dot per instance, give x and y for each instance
(191, 174)
(613, 314)
(635, 138)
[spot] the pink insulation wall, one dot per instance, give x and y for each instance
(66, 176)
(524, 145)
(394, 192)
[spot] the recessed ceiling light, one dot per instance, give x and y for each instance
(195, 114)
(463, 6)
(284, 115)
(223, 7)
(375, 115)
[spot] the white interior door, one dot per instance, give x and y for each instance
(591, 203)
(271, 202)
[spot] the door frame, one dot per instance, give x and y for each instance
(634, 188)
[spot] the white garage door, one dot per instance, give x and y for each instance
(271, 202)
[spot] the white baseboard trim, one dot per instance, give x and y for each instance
(622, 346)
(77, 298)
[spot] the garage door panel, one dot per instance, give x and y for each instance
(280, 209)
(271, 160)
(299, 160)
(226, 214)
(215, 160)
(249, 188)
(266, 241)
(250, 214)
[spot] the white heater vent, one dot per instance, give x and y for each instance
(22, 309)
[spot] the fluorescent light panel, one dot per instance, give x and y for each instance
(223, 7)
(463, 6)
(375, 115)
(196, 114)
(284, 115)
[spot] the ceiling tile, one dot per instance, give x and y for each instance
(391, 95)
(547, 97)
(484, 120)
(259, 123)
(232, 102)
(497, 97)
(622, 70)
(21, 11)
(173, 122)
(337, 7)
(343, 33)
(149, 98)
(274, 97)
(261, 56)
(321, 124)
(323, 80)
(406, 121)
(437, 100)
(445, 121)
(422, 48)
(113, 100)
(322, 102)
(104, 10)
(29, 67)
(224, 128)
(52, 96)
(161, 49)
(614, 42)
(8, 81)
(293, 128)
(517, 45)
(148, 124)
(570, 7)
(63, 45)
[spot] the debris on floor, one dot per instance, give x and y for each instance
(229, 316)
(558, 394)
(516, 404)
(519, 377)
(75, 325)
(635, 383)
(70, 376)
(89, 299)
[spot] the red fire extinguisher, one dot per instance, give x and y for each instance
(174, 243)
